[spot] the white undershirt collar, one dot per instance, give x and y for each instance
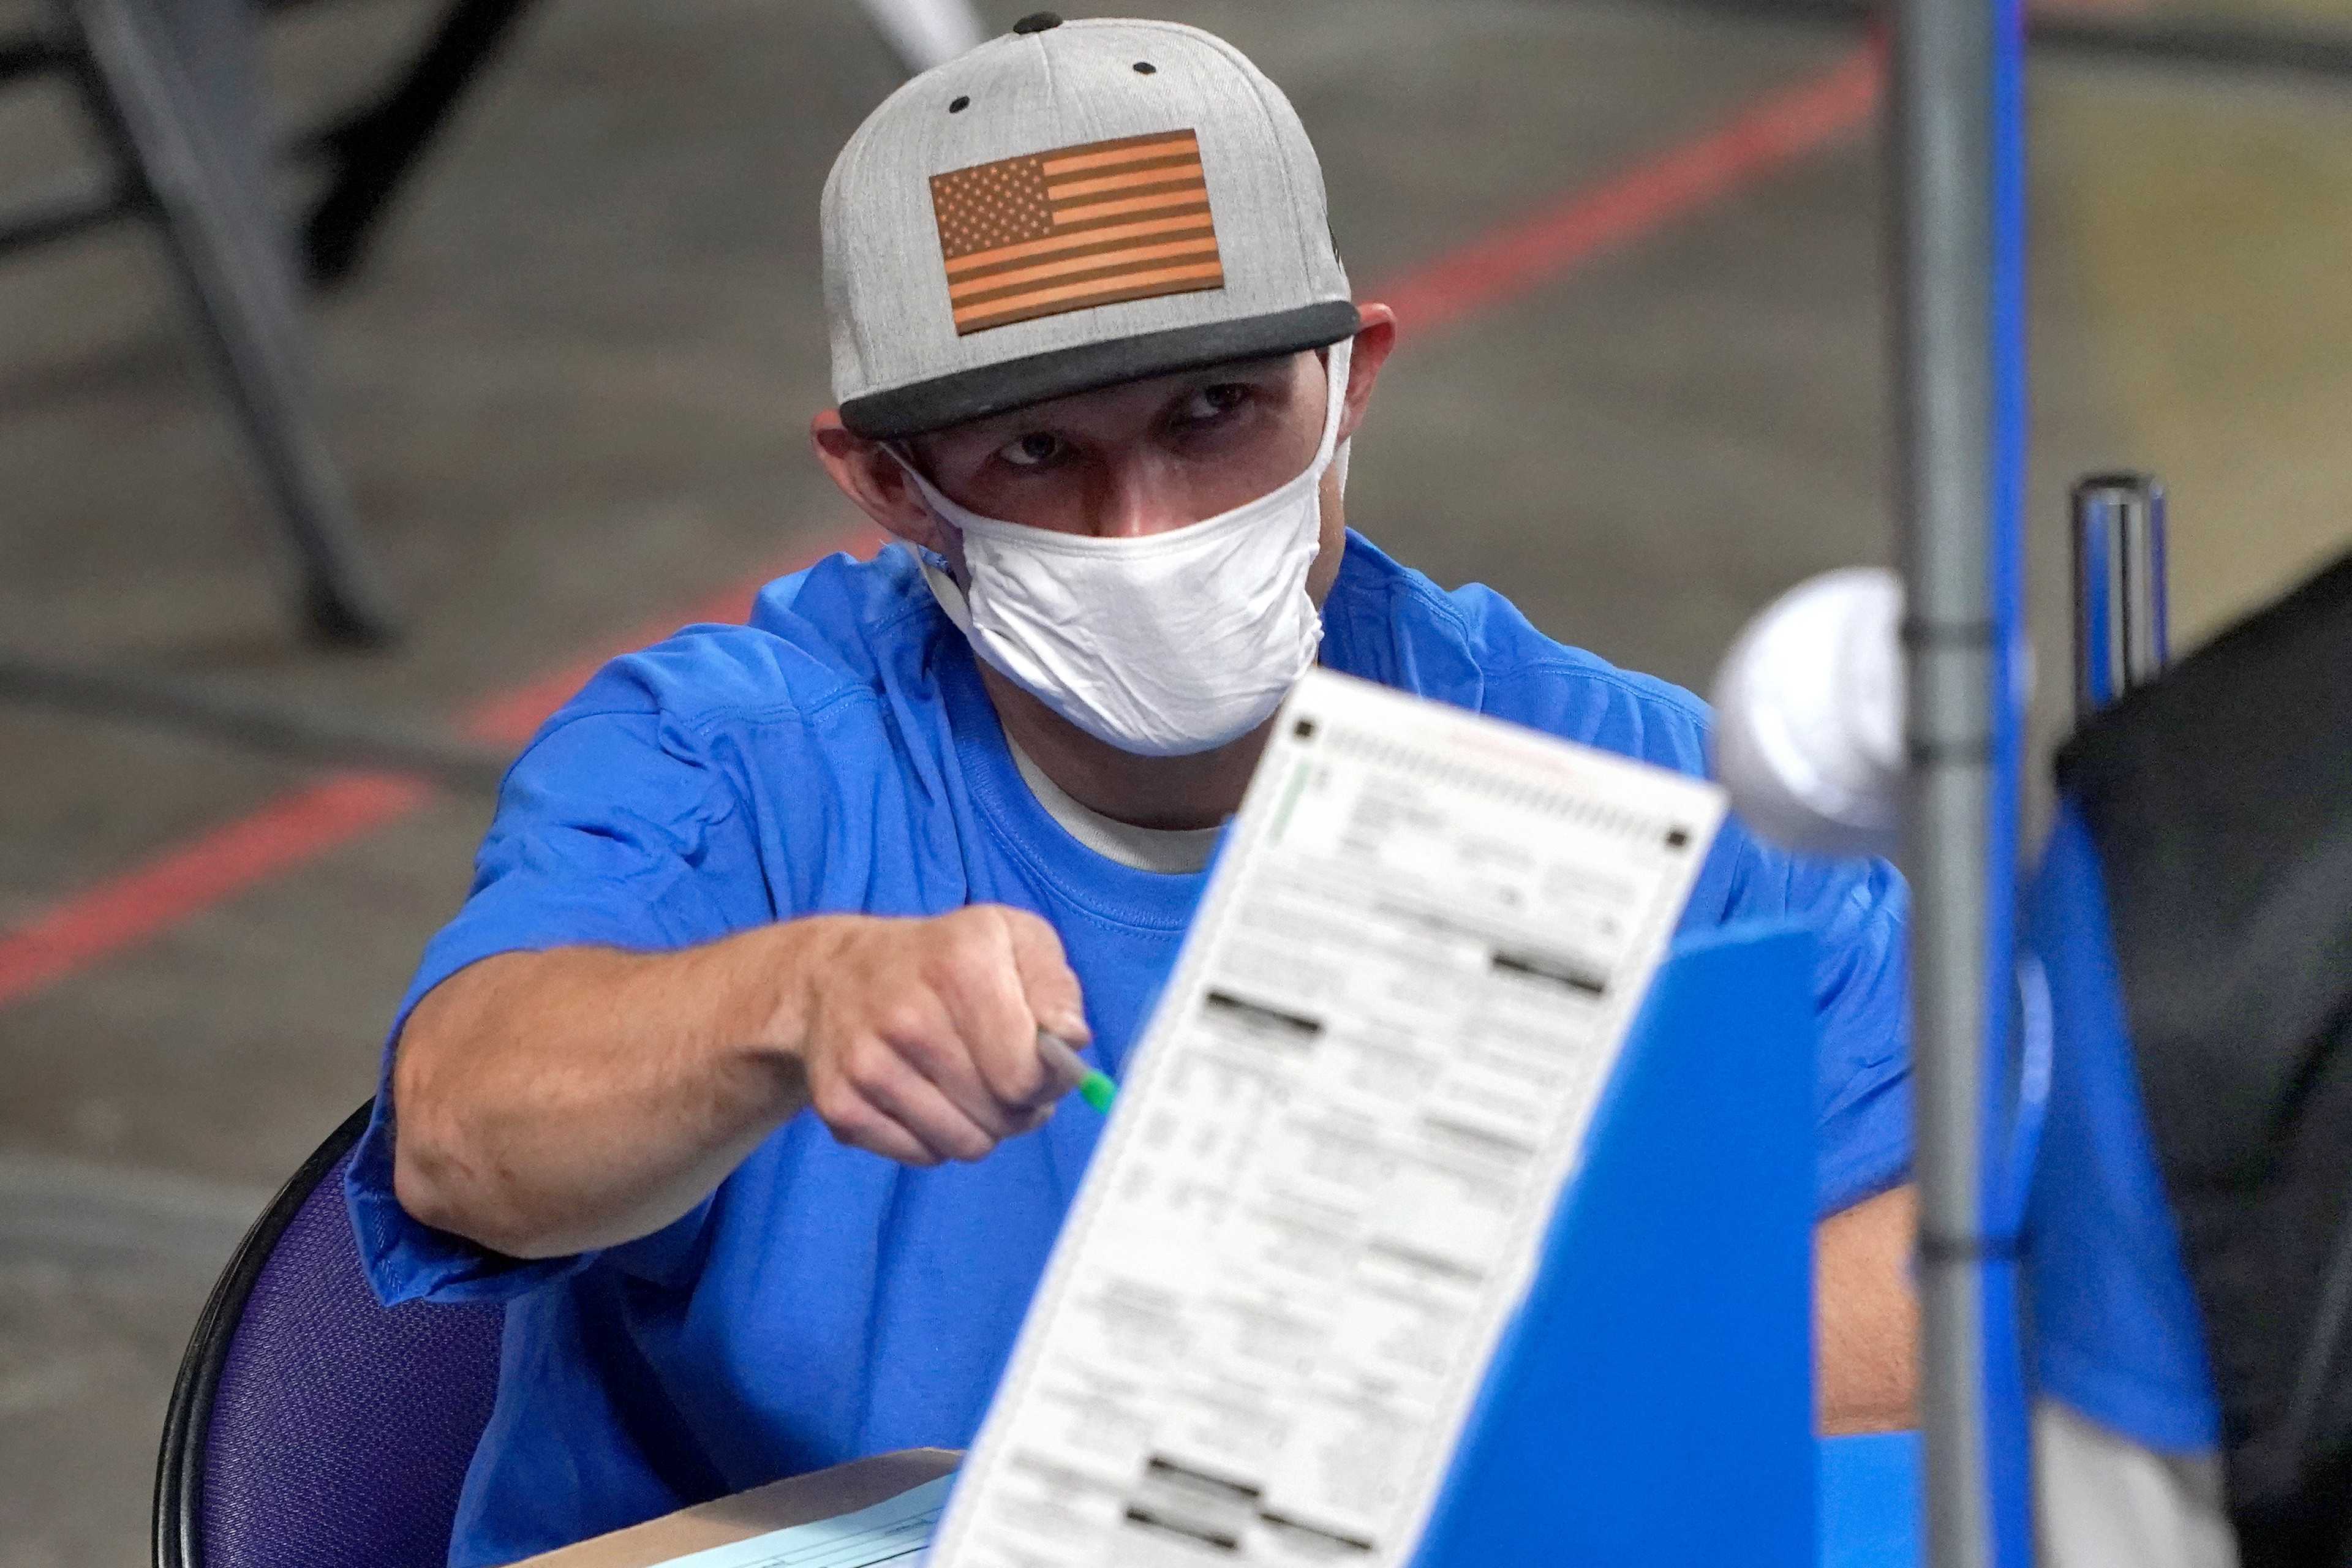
(1171, 850)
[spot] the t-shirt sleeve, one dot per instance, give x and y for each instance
(2116, 1332)
(1858, 911)
(613, 829)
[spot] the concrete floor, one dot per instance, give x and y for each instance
(570, 397)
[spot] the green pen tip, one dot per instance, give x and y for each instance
(1098, 1091)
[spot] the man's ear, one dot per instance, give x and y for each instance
(1374, 339)
(870, 477)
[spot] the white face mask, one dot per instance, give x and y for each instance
(1163, 646)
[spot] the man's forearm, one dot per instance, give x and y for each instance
(1866, 1320)
(552, 1102)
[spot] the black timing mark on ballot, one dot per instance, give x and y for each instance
(1163, 1469)
(1480, 1137)
(1282, 1521)
(1264, 1016)
(1149, 1520)
(1426, 1263)
(1559, 971)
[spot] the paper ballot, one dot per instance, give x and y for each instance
(1337, 1146)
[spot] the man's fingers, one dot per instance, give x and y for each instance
(890, 1083)
(981, 984)
(892, 1141)
(928, 1032)
(848, 1116)
(1047, 982)
(939, 1054)
(948, 1066)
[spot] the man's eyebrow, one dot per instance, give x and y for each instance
(1256, 365)
(995, 429)
(1181, 383)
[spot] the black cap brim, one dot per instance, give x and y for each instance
(968, 395)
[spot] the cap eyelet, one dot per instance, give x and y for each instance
(959, 106)
(1144, 68)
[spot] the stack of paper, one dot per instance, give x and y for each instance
(888, 1533)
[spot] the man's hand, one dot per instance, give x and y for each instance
(921, 1040)
(549, 1103)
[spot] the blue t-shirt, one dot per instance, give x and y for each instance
(839, 754)
(2115, 1328)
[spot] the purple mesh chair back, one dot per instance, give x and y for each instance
(310, 1427)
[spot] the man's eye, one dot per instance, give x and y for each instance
(1030, 451)
(1211, 404)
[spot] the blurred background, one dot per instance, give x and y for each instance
(557, 402)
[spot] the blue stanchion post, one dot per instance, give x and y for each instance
(2007, 1405)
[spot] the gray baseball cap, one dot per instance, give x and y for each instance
(1069, 206)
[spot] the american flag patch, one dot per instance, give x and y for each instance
(1091, 225)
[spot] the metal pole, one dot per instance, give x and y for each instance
(238, 273)
(1956, 395)
(2121, 639)
(925, 33)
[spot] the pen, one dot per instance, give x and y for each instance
(1095, 1089)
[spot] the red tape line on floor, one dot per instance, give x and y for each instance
(297, 827)
(1532, 250)
(87, 927)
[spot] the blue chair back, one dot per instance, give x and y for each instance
(311, 1426)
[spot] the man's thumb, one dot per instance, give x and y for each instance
(1047, 980)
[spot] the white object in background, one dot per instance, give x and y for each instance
(1336, 1148)
(2107, 1502)
(925, 33)
(1809, 715)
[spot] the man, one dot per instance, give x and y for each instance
(2189, 1237)
(727, 1078)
